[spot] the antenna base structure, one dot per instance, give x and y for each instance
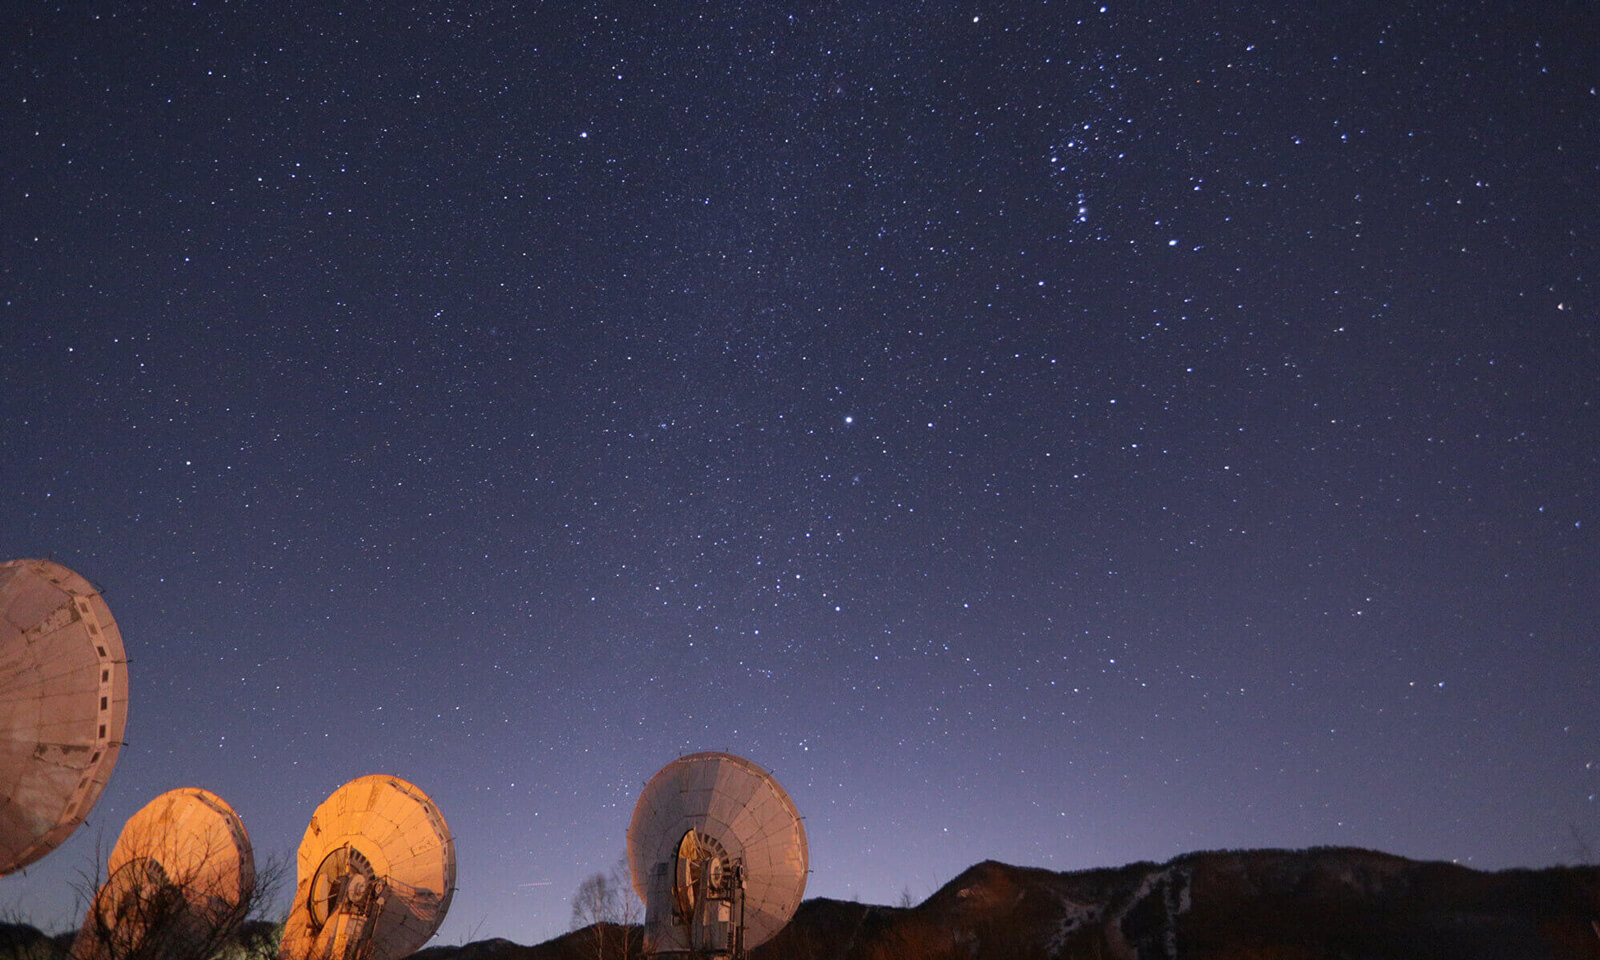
(695, 906)
(347, 896)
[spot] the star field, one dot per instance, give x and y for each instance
(1063, 433)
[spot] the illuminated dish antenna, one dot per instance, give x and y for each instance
(718, 855)
(178, 884)
(377, 869)
(63, 705)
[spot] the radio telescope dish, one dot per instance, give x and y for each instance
(376, 872)
(63, 705)
(178, 883)
(718, 855)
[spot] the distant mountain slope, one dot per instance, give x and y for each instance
(1321, 904)
(1293, 905)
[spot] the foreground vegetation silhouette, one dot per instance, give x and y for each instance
(1319, 904)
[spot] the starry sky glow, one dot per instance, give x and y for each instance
(1065, 433)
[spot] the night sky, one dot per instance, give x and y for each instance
(1055, 432)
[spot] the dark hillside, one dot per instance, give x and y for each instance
(1321, 904)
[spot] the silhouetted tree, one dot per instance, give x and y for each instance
(605, 903)
(143, 912)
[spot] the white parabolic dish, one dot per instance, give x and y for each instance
(741, 807)
(375, 828)
(187, 844)
(63, 705)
